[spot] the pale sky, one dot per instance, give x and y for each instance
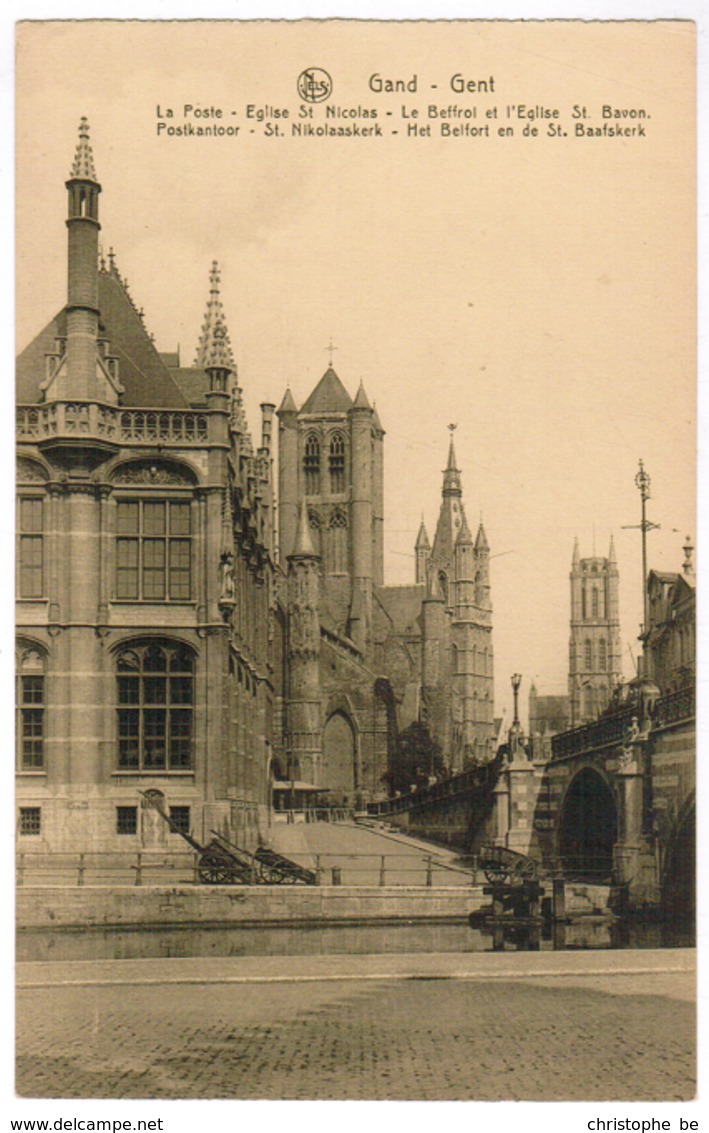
(537, 292)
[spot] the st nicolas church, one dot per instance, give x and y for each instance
(201, 614)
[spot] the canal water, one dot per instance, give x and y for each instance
(304, 940)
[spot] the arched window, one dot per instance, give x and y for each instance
(337, 463)
(31, 707)
(589, 702)
(155, 707)
(154, 550)
(588, 655)
(602, 656)
(594, 603)
(311, 465)
(338, 544)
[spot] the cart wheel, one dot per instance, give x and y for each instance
(213, 870)
(495, 874)
(528, 870)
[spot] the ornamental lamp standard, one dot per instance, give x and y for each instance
(642, 481)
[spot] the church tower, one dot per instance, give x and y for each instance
(594, 647)
(457, 660)
(330, 461)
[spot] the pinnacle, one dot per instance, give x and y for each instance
(214, 348)
(422, 537)
(83, 167)
(481, 543)
(361, 400)
(303, 541)
(288, 404)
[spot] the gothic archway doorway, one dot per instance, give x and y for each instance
(339, 756)
(588, 827)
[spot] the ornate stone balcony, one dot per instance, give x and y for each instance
(85, 421)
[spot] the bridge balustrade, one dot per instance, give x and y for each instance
(669, 709)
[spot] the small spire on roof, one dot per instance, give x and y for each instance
(303, 541)
(214, 348)
(288, 405)
(361, 401)
(464, 535)
(611, 551)
(422, 541)
(83, 167)
(481, 543)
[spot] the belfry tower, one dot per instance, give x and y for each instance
(594, 645)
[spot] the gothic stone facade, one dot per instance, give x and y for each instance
(167, 641)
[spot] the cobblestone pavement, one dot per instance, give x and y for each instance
(532, 1036)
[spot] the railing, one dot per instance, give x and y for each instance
(608, 730)
(668, 709)
(176, 868)
(475, 779)
(314, 814)
(675, 707)
(91, 419)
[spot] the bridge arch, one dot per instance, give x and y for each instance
(588, 826)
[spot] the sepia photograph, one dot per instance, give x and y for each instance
(355, 560)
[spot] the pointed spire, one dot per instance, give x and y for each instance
(376, 421)
(611, 552)
(576, 558)
(83, 167)
(451, 475)
(303, 547)
(481, 543)
(361, 401)
(214, 348)
(422, 542)
(288, 405)
(464, 535)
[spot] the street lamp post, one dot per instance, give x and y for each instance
(642, 481)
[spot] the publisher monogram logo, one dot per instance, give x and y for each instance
(314, 85)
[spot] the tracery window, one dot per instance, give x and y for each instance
(337, 463)
(155, 707)
(154, 550)
(31, 548)
(311, 465)
(588, 654)
(594, 603)
(602, 655)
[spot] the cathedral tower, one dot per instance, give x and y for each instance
(330, 460)
(594, 646)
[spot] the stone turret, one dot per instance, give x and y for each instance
(303, 713)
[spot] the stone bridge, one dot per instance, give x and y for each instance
(613, 800)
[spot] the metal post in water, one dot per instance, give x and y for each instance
(318, 870)
(382, 870)
(80, 877)
(139, 869)
(429, 871)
